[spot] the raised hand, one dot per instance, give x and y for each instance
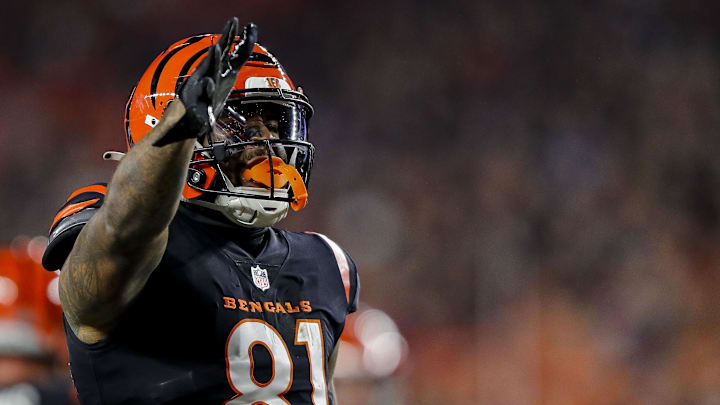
(205, 92)
(231, 63)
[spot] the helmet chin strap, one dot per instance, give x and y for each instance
(246, 211)
(282, 174)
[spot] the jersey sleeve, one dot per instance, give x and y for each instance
(69, 220)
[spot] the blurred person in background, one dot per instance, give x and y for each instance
(369, 365)
(32, 359)
(175, 286)
(28, 368)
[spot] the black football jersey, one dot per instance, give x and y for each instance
(214, 325)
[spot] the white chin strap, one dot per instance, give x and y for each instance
(253, 212)
(249, 212)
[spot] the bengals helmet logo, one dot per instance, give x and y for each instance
(273, 82)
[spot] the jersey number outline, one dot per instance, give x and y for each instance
(240, 363)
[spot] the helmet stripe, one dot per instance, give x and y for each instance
(164, 61)
(259, 57)
(189, 63)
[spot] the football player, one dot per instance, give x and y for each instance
(175, 286)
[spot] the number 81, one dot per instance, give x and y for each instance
(239, 361)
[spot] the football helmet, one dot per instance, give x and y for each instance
(256, 163)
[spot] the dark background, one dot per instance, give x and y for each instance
(529, 188)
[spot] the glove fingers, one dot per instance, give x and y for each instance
(235, 30)
(234, 61)
(229, 32)
(243, 51)
(215, 58)
(211, 83)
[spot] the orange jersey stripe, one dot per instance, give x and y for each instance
(71, 209)
(97, 188)
(342, 263)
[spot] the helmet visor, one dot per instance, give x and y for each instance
(243, 122)
(250, 133)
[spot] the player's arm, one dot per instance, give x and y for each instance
(116, 251)
(123, 242)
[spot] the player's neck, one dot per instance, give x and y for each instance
(251, 240)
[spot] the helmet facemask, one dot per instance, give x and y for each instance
(255, 136)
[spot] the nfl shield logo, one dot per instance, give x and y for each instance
(260, 278)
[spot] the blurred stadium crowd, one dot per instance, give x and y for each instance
(529, 188)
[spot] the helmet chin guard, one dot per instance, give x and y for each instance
(270, 187)
(247, 211)
(249, 206)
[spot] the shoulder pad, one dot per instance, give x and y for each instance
(348, 272)
(69, 220)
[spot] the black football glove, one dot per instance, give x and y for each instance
(204, 93)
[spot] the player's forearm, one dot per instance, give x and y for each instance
(145, 190)
(117, 250)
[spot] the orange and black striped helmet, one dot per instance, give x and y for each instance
(262, 85)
